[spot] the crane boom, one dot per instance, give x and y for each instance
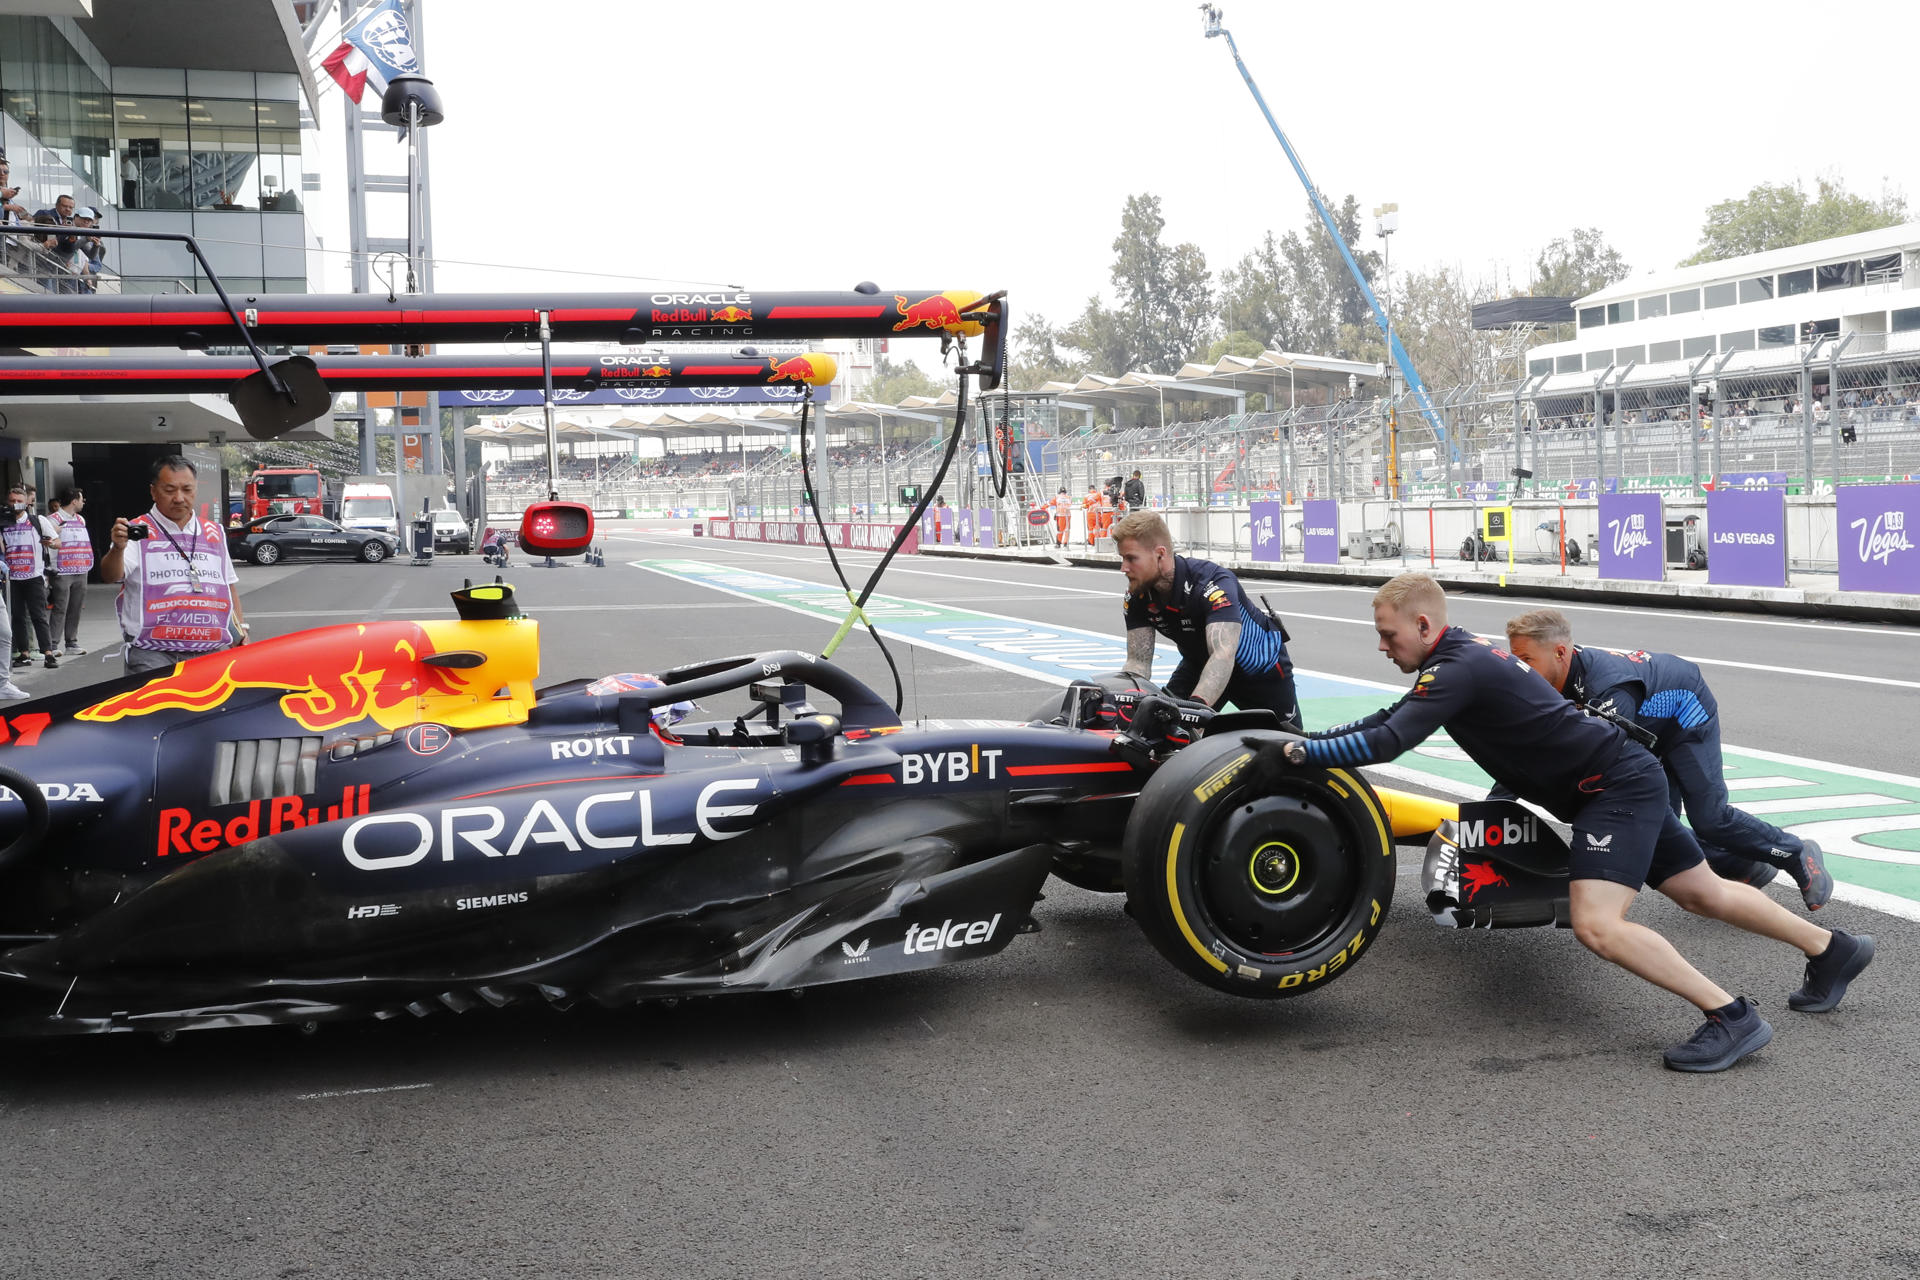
(1397, 352)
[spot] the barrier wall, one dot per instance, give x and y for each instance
(859, 537)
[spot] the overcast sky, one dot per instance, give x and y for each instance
(991, 144)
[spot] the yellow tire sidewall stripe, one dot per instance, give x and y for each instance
(1173, 899)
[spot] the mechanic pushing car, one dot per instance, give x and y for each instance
(1230, 651)
(1667, 696)
(152, 556)
(1587, 772)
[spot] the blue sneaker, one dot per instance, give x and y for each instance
(1809, 871)
(1721, 1040)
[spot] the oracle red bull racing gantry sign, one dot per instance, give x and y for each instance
(195, 321)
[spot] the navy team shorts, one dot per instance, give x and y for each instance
(1627, 833)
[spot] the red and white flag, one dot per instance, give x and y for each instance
(373, 51)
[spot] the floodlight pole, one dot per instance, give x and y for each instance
(1394, 349)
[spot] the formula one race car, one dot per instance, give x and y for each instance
(385, 817)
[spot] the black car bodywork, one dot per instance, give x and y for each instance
(385, 817)
(271, 539)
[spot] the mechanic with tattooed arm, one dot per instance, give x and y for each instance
(1230, 650)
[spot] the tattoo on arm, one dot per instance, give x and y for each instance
(1140, 651)
(1223, 639)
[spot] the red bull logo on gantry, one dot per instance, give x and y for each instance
(793, 369)
(936, 312)
(731, 315)
(333, 676)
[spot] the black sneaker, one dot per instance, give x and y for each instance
(1722, 1041)
(22, 660)
(51, 661)
(1809, 871)
(1829, 972)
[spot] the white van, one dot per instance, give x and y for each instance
(369, 506)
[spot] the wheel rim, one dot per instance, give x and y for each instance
(1277, 875)
(375, 551)
(267, 553)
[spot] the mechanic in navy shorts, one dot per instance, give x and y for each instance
(1586, 772)
(1666, 695)
(1230, 651)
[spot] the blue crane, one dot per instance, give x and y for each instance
(1394, 349)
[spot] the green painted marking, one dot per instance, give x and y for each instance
(1875, 845)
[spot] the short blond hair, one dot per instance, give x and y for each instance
(1143, 527)
(1412, 594)
(1543, 626)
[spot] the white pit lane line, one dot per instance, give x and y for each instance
(1889, 903)
(354, 1093)
(1052, 589)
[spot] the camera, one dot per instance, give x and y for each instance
(135, 532)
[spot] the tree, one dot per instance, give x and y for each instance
(893, 383)
(1433, 318)
(1166, 293)
(1100, 334)
(1779, 215)
(1296, 292)
(1577, 265)
(1237, 343)
(1036, 357)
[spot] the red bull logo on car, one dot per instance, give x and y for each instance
(333, 676)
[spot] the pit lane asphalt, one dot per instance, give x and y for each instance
(1459, 1104)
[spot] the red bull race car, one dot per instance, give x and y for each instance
(387, 818)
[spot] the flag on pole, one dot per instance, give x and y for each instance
(373, 50)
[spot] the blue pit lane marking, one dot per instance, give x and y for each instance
(1880, 851)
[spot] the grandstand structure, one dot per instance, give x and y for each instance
(1836, 402)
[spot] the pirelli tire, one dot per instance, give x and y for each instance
(1264, 889)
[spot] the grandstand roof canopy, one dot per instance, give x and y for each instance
(1279, 374)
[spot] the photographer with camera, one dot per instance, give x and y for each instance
(152, 555)
(26, 538)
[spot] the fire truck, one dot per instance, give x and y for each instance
(286, 491)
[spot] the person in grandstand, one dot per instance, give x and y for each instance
(1587, 772)
(1230, 651)
(1667, 695)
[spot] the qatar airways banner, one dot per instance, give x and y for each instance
(1747, 537)
(983, 528)
(963, 527)
(1631, 530)
(1877, 527)
(1322, 536)
(858, 537)
(1263, 531)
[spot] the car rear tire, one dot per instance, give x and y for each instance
(373, 551)
(1260, 881)
(266, 553)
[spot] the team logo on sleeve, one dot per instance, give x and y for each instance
(1423, 685)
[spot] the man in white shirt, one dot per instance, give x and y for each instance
(176, 581)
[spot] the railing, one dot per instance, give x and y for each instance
(29, 268)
